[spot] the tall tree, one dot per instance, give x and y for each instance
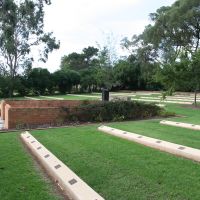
(127, 74)
(80, 61)
(174, 32)
(21, 28)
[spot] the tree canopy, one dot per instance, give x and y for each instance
(22, 28)
(171, 42)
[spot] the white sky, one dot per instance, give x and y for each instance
(82, 23)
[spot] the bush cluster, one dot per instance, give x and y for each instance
(113, 111)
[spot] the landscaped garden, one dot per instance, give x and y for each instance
(115, 168)
(114, 119)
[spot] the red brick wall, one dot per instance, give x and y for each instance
(29, 113)
(25, 117)
(42, 103)
(37, 104)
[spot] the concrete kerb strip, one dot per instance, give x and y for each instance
(57, 98)
(180, 124)
(152, 100)
(147, 93)
(161, 105)
(32, 98)
(182, 97)
(77, 95)
(68, 181)
(123, 94)
(171, 99)
(175, 149)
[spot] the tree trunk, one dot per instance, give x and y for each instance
(11, 88)
(195, 97)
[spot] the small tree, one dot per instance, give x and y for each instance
(21, 28)
(64, 80)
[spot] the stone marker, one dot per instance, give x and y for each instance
(176, 149)
(68, 181)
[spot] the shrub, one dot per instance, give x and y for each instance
(113, 111)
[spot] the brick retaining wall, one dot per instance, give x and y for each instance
(29, 113)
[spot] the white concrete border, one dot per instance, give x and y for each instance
(171, 99)
(161, 105)
(181, 124)
(176, 149)
(165, 101)
(122, 94)
(56, 98)
(32, 98)
(79, 95)
(68, 181)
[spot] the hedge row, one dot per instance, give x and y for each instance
(113, 111)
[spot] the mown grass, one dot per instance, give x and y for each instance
(119, 169)
(19, 178)
(115, 168)
(189, 113)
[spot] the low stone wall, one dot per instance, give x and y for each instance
(30, 113)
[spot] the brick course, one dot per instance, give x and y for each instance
(27, 113)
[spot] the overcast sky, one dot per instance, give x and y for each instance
(81, 23)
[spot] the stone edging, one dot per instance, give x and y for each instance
(66, 179)
(176, 149)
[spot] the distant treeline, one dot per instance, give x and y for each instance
(88, 71)
(165, 56)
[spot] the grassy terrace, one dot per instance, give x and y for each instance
(116, 168)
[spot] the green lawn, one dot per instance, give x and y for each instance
(190, 115)
(115, 168)
(19, 177)
(119, 169)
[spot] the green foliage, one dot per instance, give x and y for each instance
(104, 78)
(40, 80)
(127, 74)
(22, 25)
(88, 79)
(182, 75)
(4, 86)
(170, 42)
(113, 111)
(79, 61)
(22, 86)
(65, 80)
